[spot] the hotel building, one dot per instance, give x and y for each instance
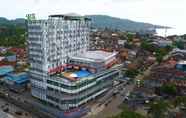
(62, 70)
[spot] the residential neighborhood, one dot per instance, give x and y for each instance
(68, 65)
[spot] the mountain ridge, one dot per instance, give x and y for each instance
(102, 21)
(98, 21)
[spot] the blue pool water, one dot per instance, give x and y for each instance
(82, 73)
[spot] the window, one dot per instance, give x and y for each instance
(52, 98)
(53, 83)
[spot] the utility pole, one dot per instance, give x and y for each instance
(165, 32)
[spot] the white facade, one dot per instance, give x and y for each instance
(50, 43)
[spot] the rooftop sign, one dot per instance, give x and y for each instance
(31, 16)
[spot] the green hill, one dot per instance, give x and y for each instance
(98, 21)
(103, 21)
(4, 23)
(12, 32)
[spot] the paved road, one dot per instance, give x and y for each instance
(23, 102)
(12, 109)
(112, 107)
(146, 72)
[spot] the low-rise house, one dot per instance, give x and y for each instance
(131, 54)
(178, 54)
(4, 70)
(123, 55)
(2, 58)
(114, 35)
(3, 50)
(20, 53)
(121, 43)
(150, 60)
(162, 43)
(169, 72)
(181, 65)
(8, 56)
(11, 58)
(17, 82)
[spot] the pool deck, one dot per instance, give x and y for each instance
(75, 74)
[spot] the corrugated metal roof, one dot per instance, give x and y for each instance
(95, 56)
(18, 78)
(5, 69)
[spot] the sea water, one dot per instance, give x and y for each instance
(172, 31)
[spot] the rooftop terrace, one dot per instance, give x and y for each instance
(74, 75)
(95, 56)
(182, 62)
(71, 16)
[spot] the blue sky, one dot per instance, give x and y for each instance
(163, 12)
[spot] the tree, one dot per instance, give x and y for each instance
(180, 100)
(126, 113)
(146, 45)
(161, 52)
(130, 37)
(7, 54)
(184, 36)
(127, 45)
(130, 114)
(179, 44)
(158, 109)
(131, 73)
(123, 36)
(13, 36)
(159, 58)
(169, 89)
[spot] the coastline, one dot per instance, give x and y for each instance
(169, 31)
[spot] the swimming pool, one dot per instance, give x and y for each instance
(82, 73)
